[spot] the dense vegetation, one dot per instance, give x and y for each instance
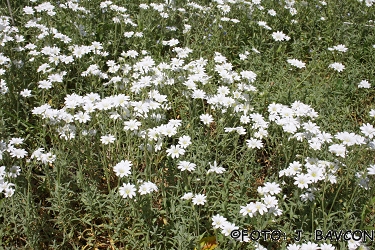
(179, 125)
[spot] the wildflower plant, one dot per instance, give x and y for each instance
(172, 124)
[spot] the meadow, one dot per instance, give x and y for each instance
(225, 124)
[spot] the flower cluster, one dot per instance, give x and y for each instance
(269, 202)
(197, 199)
(129, 190)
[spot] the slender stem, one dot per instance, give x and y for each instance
(334, 200)
(10, 12)
(323, 205)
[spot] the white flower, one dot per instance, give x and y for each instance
(269, 201)
(82, 117)
(368, 130)
(309, 246)
(255, 50)
(307, 196)
(185, 165)
(215, 168)
(44, 84)
(14, 171)
(371, 170)
(279, 36)
(16, 141)
(297, 63)
(245, 119)
(249, 209)
(340, 48)
(132, 125)
(242, 57)
(129, 34)
(199, 199)
(8, 192)
(25, 93)
(260, 207)
(28, 10)
(187, 196)
(264, 25)
(315, 173)
(47, 158)
(127, 190)
(293, 247)
(349, 138)
(2, 172)
(18, 152)
(254, 143)
(364, 84)
(302, 181)
(175, 151)
(147, 188)
(249, 75)
(325, 246)
(228, 228)
(122, 168)
(271, 188)
(218, 221)
(184, 141)
(106, 139)
(272, 12)
(168, 130)
(352, 244)
(206, 119)
(338, 149)
(337, 66)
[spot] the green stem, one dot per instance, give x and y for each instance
(10, 12)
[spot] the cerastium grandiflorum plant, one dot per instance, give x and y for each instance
(224, 124)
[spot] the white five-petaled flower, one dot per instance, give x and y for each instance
(206, 119)
(147, 187)
(215, 168)
(25, 93)
(271, 188)
(340, 47)
(364, 84)
(218, 221)
(199, 199)
(254, 143)
(185, 165)
(127, 190)
(302, 181)
(338, 149)
(18, 152)
(106, 139)
(269, 201)
(368, 130)
(279, 36)
(228, 228)
(249, 209)
(132, 125)
(14, 171)
(122, 168)
(337, 66)
(184, 141)
(187, 196)
(260, 207)
(175, 151)
(296, 63)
